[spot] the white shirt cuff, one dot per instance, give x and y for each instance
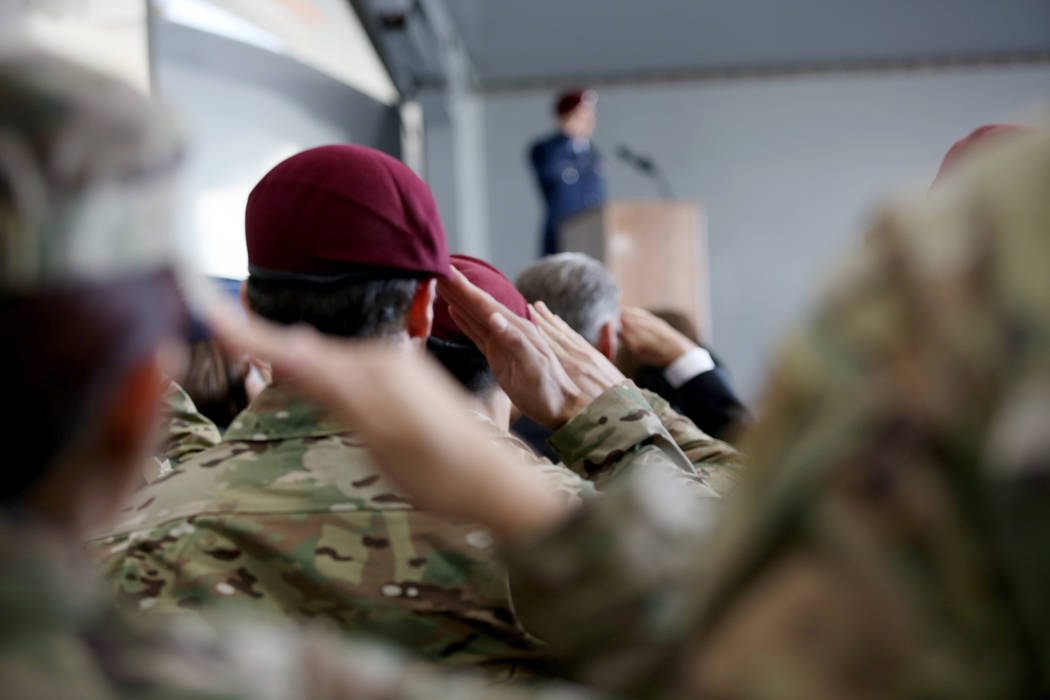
(696, 361)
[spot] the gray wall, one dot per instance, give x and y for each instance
(244, 109)
(789, 169)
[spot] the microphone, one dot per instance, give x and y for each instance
(639, 161)
(646, 165)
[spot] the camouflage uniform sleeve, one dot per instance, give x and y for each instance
(566, 482)
(604, 588)
(617, 434)
(716, 462)
(267, 661)
(186, 430)
(866, 552)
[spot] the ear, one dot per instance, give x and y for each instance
(608, 342)
(130, 422)
(421, 315)
(244, 296)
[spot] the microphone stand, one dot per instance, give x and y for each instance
(648, 167)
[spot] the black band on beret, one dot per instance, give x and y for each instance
(362, 273)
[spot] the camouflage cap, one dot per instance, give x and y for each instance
(86, 165)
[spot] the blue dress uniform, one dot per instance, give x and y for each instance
(571, 179)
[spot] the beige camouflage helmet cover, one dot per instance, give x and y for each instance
(86, 167)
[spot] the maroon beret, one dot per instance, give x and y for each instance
(487, 278)
(568, 101)
(339, 211)
(979, 135)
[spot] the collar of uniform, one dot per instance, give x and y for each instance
(278, 413)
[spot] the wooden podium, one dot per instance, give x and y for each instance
(655, 250)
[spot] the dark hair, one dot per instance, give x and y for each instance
(356, 308)
(68, 351)
(465, 363)
(215, 382)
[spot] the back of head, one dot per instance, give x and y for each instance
(86, 279)
(576, 287)
(566, 102)
(450, 346)
(339, 237)
(215, 382)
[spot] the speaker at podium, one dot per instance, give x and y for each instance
(656, 250)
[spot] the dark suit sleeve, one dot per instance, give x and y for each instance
(542, 163)
(709, 401)
(536, 436)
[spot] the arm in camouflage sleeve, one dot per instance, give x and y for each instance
(612, 589)
(619, 433)
(856, 557)
(716, 462)
(186, 430)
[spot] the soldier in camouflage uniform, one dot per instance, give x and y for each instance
(290, 513)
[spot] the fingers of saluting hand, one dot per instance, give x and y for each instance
(637, 312)
(469, 301)
(553, 326)
(478, 332)
(545, 322)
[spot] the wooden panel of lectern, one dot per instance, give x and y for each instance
(655, 250)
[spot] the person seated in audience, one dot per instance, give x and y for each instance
(661, 351)
(216, 382)
(580, 290)
(290, 514)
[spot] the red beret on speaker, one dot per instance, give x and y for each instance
(979, 135)
(343, 211)
(568, 101)
(486, 277)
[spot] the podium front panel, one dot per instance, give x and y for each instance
(656, 251)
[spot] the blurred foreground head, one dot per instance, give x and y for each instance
(348, 240)
(580, 290)
(87, 291)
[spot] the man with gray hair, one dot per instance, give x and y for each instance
(580, 290)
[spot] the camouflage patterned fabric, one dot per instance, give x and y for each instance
(290, 515)
(186, 431)
(889, 538)
(64, 638)
(717, 463)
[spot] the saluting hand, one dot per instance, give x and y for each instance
(525, 365)
(592, 371)
(652, 339)
(412, 416)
